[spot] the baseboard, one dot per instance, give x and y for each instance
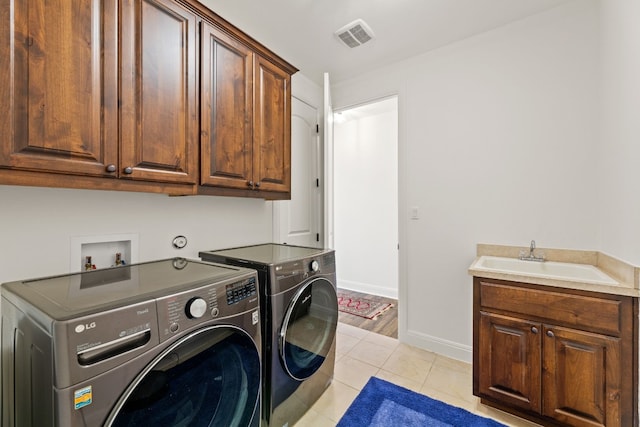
(446, 348)
(367, 288)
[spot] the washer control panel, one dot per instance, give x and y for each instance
(182, 311)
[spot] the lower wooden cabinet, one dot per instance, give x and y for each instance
(510, 360)
(582, 377)
(546, 362)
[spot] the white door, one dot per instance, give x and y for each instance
(300, 217)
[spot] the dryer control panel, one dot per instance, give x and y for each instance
(236, 292)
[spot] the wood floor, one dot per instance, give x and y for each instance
(385, 324)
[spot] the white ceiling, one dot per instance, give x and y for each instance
(302, 31)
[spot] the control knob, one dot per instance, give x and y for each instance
(314, 265)
(196, 307)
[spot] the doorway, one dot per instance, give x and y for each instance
(365, 197)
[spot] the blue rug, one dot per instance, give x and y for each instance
(381, 403)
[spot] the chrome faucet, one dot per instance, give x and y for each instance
(532, 256)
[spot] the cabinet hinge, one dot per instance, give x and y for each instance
(317, 237)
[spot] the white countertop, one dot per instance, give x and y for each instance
(610, 276)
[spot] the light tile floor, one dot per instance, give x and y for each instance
(361, 354)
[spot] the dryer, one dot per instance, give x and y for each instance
(300, 315)
(172, 342)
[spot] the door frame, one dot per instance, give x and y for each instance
(403, 315)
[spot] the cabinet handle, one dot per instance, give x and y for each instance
(534, 329)
(111, 168)
(250, 184)
(257, 184)
(128, 170)
(550, 334)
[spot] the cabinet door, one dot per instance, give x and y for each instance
(581, 378)
(227, 110)
(509, 361)
(272, 128)
(58, 85)
(158, 91)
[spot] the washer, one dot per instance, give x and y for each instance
(166, 343)
(300, 315)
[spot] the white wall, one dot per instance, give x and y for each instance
(366, 200)
(620, 146)
(37, 225)
(306, 90)
(498, 144)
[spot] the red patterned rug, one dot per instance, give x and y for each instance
(362, 307)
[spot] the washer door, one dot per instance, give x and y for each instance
(309, 328)
(209, 378)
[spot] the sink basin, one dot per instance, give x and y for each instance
(549, 270)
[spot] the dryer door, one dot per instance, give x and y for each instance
(208, 378)
(309, 328)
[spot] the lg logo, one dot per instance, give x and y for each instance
(82, 328)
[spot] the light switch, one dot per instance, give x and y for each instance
(415, 214)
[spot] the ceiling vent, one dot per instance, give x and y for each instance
(355, 33)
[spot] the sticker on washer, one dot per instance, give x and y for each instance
(82, 397)
(254, 317)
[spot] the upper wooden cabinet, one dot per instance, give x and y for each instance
(246, 114)
(129, 90)
(158, 111)
(272, 127)
(226, 110)
(59, 85)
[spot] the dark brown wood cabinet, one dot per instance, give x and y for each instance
(510, 360)
(59, 86)
(227, 110)
(131, 91)
(253, 153)
(272, 127)
(559, 357)
(582, 375)
(158, 96)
